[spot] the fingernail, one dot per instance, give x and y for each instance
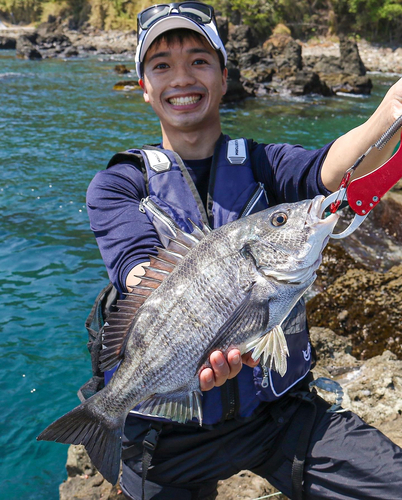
(218, 358)
(236, 359)
(209, 377)
(220, 361)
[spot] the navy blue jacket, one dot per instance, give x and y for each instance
(233, 193)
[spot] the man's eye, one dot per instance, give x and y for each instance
(161, 66)
(200, 61)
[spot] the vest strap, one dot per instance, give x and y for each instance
(147, 447)
(306, 416)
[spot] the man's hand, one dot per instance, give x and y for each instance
(223, 369)
(349, 147)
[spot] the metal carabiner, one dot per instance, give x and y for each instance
(357, 219)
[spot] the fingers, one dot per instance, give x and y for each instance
(207, 379)
(248, 360)
(221, 369)
(235, 362)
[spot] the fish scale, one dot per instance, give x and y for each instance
(233, 286)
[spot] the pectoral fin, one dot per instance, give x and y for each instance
(251, 315)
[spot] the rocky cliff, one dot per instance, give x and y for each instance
(279, 65)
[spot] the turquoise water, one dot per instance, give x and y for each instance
(60, 122)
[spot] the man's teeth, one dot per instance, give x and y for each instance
(184, 101)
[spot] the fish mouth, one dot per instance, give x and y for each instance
(314, 215)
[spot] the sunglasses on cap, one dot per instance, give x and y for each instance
(196, 11)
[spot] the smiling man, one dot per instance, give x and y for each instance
(253, 418)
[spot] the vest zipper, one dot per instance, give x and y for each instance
(265, 380)
(148, 204)
(232, 400)
(253, 200)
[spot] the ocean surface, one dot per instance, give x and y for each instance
(60, 122)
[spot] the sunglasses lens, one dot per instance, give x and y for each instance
(151, 15)
(200, 13)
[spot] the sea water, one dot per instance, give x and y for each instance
(60, 122)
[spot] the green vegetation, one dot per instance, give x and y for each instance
(376, 20)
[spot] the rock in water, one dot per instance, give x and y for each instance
(26, 49)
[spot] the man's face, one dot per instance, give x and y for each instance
(184, 84)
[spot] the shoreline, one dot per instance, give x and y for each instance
(376, 57)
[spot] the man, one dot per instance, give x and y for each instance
(254, 419)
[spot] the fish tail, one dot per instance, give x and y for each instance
(100, 434)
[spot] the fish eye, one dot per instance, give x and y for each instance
(279, 219)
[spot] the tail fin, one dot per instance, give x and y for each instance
(100, 434)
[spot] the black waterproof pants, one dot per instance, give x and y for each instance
(345, 457)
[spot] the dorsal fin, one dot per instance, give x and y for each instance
(119, 322)
(199, 233)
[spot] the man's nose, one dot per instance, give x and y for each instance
(182, 76)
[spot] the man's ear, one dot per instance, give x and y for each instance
(224, 81)
(142, 85)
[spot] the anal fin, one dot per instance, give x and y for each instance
(180, 407)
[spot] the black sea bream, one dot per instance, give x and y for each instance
(233, 286)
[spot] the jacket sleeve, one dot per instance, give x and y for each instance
(124, 235)
(289, 173)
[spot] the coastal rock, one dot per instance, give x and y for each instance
(257, 65)
(346, 83)
(323, 64)
(336, 261)
(121, 69)
(70, 52)
(103, 42)
(223, 28)
(51, 39)
(26, 49)
(351, 62)
(372, 388)
(334, 353)
(388, 214)
(241, 38)
(7, 43)
(235, 90)
(306, 82)
(344, 73)
(289, 57)
(384, 59)
(373, 302)
(347, 60)
(126, 85)
(277, 67)
(84, 482)
(244, 486)
(55, 41)
(53, 26)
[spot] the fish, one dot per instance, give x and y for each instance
(206, 290)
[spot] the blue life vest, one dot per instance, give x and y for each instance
(233, 192)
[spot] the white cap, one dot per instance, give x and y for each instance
(171, 22)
